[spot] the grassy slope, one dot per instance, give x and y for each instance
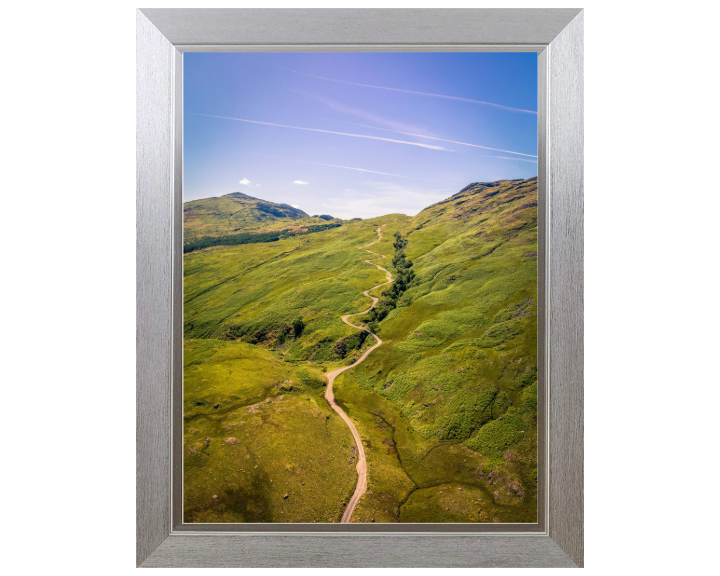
(244, 450)
(253, 436)
(445, 407)
(447, 403)
(238, 212)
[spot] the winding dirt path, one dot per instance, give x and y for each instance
(330, 397)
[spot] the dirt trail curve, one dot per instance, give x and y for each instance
(330, 397)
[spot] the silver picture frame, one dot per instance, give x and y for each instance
(556, 540)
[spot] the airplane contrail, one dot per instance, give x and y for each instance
(429, 146)
(435, 138)
(334, 166)
(414, 92)
(520, 159)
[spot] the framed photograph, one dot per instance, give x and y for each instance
(359, 287)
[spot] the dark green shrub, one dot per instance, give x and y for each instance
(298, 327)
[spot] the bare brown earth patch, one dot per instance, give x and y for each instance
(508, 487)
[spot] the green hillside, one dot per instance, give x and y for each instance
(446, 407)
(238, 212)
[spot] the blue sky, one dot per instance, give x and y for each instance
(356, 134)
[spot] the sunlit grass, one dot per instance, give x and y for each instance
(446, 407)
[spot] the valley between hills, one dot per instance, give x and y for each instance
(378, 370)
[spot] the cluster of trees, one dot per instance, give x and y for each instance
(345, 345)
(257, 335)
(288, 331)
(280, 210)
(251, 238)
(404, 277)
(298, 327)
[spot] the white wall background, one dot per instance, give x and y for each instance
(67, 306)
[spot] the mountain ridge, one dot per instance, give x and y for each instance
(236, 212)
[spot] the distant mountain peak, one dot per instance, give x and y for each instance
(482, 185)
(486, 190)
(240, 195)
(236, 212)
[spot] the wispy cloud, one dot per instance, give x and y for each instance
(369, 116)
(295, 206)
(417, 93)
(404, 133)
(442, 140)
(334, 166)
(245, 182)
(519, 159)
(300, 182)
(429, 146)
